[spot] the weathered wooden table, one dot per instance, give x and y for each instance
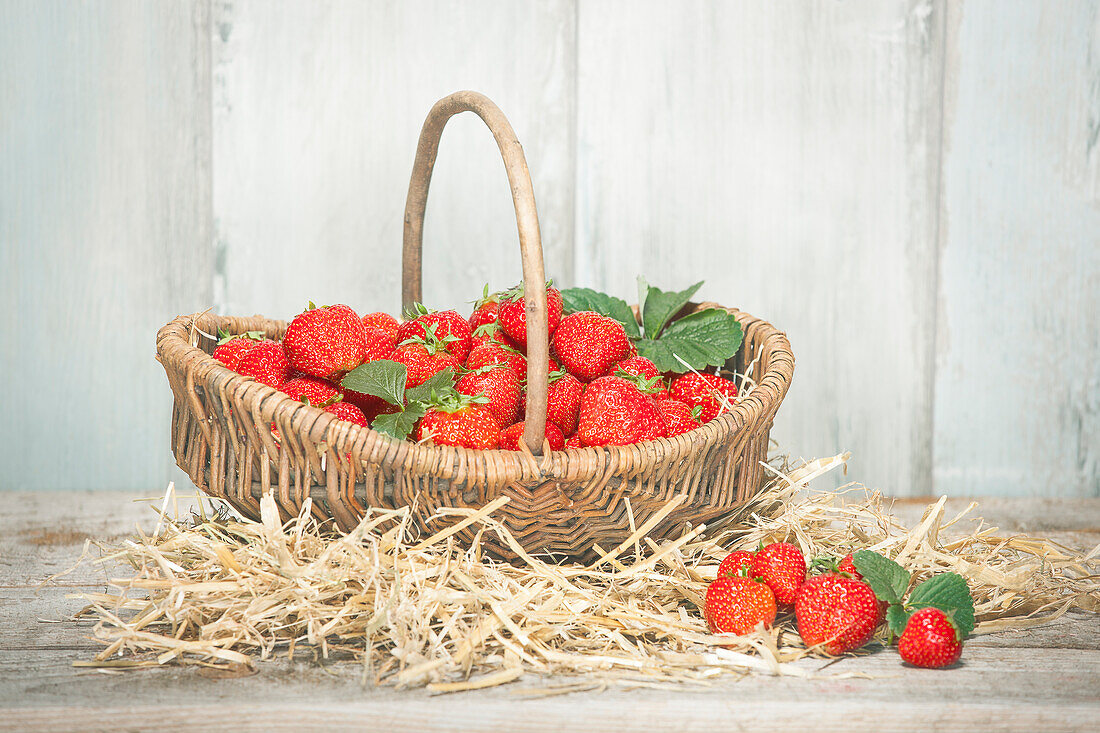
(1045, 679)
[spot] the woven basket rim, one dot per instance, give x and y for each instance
(177, 344)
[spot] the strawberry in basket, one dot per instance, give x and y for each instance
(325, 342)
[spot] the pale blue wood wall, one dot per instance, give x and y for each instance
(910, 188)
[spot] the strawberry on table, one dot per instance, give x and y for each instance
(737, 605)
(930, 640)
(325, 342)
(459, 421)
(512, 314)
(502, 388)
(265, 362)
(451, 329)
(615, 412)
(837, 612)
(381, 321)
(512, 436)
(563, 401)
(737, 562)
(712, 393)
(783, 567)
(678, 416)
(588, 344)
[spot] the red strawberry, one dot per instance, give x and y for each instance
(423, 360)
(312, 391)
(930, 640)
(229, 348)
(564, 401)
(349, 412)
(380, 345)
(513, 313)
(837, 612)
(615, 412)
(381, 321)
(485, 309)
(502, 388)
(783, 567)
(490, 353)
(638, 366)
(678, 417)
(738, 604)
(713, 393)
(490, 333)
(512, 436)
(587, 344)
(265, 362)
(325, 342)
(452, 330)
(460, 423)
(734, 563)
(848, 566)
(574, 441)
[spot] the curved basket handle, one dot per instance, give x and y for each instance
(530, 243)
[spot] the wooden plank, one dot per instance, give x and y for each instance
(105, 228)
(787, 153)
(317, 109)
(1018, 353)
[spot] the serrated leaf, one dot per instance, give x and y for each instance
(399, 424)
(703, 339)
(660, 306)
(384, 379)
(585, 299)
(887, 579)
(949, 593)
(896, 618)
(438, 383)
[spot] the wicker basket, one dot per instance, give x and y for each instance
(560, 502)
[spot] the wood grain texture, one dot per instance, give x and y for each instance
(1017, 407)
(317, 108)
(104, 231)
(1040, 679)
(788, 154)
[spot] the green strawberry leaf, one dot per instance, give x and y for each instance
(887, 579)
(949, 593)
(703, 339)
(659, 306)
(439, 383)
(399, 424)
(896, 618)
(384, 379)
(575, 300)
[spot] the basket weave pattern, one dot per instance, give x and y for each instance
(560, 502)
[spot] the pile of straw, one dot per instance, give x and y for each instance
(223, 592)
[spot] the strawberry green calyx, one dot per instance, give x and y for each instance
(452, 401)
(225, 337)
(647, 385)
(486, 297)
(416, 310)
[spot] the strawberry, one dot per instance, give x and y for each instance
(502, 388)
(485, 309)
(588, 344)
(312, 391)
(563, 401)
(490, 333)
(837, 612)
(512, 436)
(452, 330)
(460, 422)
(349, 412)
(574, 441)
(734, 563)
(736, 604)
(325, 342)
(848, 566)
(713, 393)
(380, 345)
(265, 362)
(638, 366)
(615, 412)
(512, 315)
(783, 567)
(381, 321)
(229, 348)
(423, 359)
(930, 640)
(492, 353)
(678, 417)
